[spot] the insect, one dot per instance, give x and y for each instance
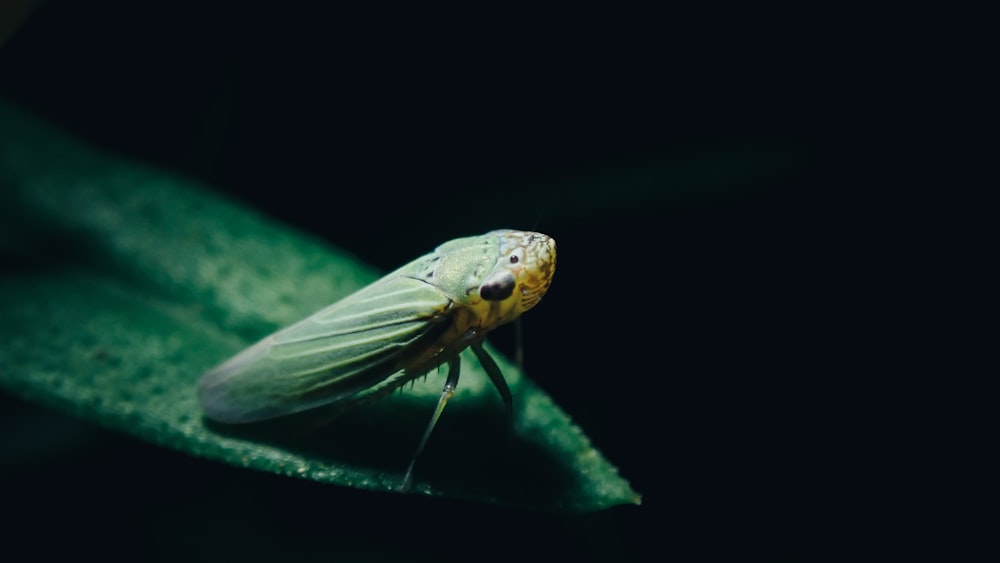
(396, 329)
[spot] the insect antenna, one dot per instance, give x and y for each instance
(538, 217)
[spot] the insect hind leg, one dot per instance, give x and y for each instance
(449, 389)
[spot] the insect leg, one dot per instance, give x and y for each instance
(499, 382)
(519, 343)
(449, 389)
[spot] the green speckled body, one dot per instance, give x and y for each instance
(397, 328)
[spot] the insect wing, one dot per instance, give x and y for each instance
(344, 350)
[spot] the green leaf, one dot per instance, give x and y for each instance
(124, 284)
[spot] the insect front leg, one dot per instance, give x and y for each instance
(496, 376)
(449, 389)
(519, 343)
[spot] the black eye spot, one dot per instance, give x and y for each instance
(498, 287)
(514, 259)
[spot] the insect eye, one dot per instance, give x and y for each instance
(497, 287)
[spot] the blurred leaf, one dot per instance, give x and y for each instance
(123, 284)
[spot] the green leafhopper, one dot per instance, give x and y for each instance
(399, 327)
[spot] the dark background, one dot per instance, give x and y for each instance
(718, 347)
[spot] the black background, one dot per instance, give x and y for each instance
(719, 349)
